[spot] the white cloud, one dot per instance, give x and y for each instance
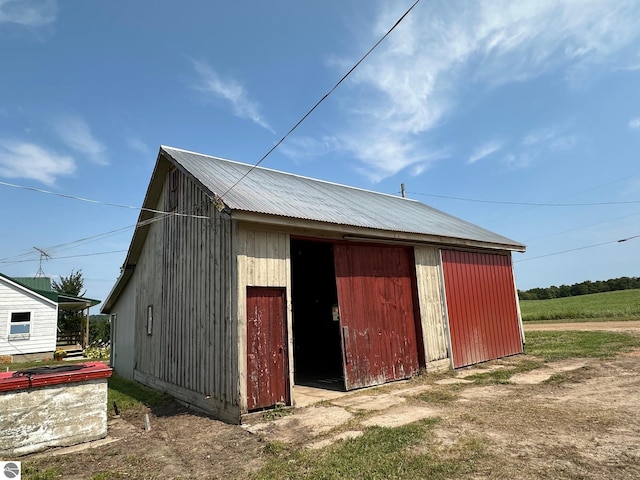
(138, 145)
(28, 13)
(231, 91)
(302, 148)
(539, 145)
(413, 81)
(27, 160)
(484, 150)
(76, 134)
(634, 124)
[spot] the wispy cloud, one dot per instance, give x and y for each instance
(484, 150)
(540, 144)
(28, 13)
(138, 145)
(415, 79)
(303, 148)
(76, 134)
(230, 91)
(27, 160)
(634, 124)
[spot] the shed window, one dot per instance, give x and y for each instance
(20, 324)
(149, 319)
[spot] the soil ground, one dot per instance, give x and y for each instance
(577, 419)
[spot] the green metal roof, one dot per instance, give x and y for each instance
(42, 287)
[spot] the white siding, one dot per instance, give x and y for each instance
(432, 309)
(263, 260)
(44, 319)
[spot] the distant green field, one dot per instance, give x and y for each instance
(619, 305)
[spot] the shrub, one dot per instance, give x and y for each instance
(97, 350)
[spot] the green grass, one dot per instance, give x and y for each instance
(620, 305)
(406, 452)
(503, 376)
(438, 395)
(574, 344)
(33, 473)
(131, 396)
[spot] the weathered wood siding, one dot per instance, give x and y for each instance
(377, 314)
(185, 273)
(123, 331)
(432, 308)
(263, 260)
(44, 318)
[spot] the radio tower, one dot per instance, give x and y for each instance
(44, 256)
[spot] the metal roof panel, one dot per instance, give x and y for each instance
(272, 192)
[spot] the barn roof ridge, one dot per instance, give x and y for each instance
(250, 166)
(273, 192)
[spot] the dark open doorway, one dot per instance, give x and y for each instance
(316, 328)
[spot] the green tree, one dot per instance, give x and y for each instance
(71, 323)
(71, 285)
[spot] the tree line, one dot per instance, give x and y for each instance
(582, 288)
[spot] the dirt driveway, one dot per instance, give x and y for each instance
(614, 326)
(573, 419)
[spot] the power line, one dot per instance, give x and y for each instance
(581, 227)
(72, 244)
(326, 95)
(98, 202)
(579, 248)
(67, 256)
(529, 204)
(567, 196)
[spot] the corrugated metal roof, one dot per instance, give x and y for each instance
(272, 192)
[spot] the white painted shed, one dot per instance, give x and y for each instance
(28, 321)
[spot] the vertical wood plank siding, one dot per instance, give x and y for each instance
(432, 311)
(377, 315)
(123, 331)
(481, 305)
(184, 271)
(267, 358)
(263, 260)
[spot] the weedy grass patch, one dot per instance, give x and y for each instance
(380, 453)
(30, 472)
(132, 396)
(560, 345)
(438, 395)
(503, 376)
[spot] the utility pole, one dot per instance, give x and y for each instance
(402, 190)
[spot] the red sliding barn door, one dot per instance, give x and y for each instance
(267, 358)
(481, 305)
(377, 318)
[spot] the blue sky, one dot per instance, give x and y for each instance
(522, 117)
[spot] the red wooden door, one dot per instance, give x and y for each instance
(267, 358)
(377, 317)
(481, 305)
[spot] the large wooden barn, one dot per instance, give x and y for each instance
(258, 280)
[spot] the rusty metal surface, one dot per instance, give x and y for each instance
(481, 305)
(267, 365)
(377, 316)
(283, 194)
